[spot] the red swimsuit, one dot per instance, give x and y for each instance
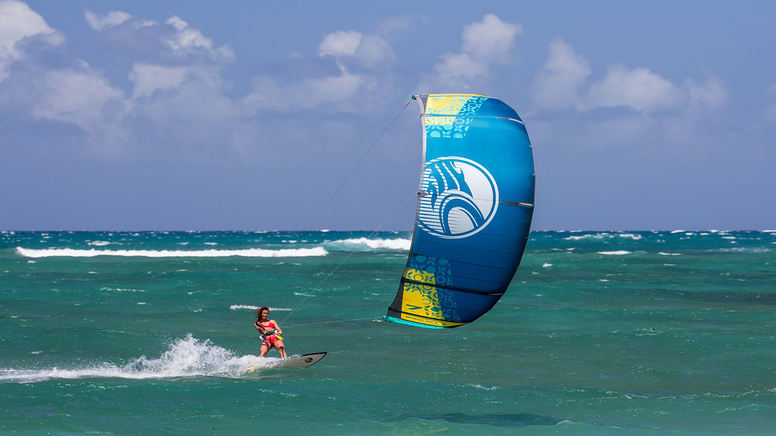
(270, 340)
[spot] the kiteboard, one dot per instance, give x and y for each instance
(297, 361)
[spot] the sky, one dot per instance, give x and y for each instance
(249, 115)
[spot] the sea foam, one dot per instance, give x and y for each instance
(589, 236)
(369, 244)
(743, 250)
(251, 307)
(249, 252)
(614, 253)
(186, 357)
(603, 235)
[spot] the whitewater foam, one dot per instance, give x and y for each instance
(602, 235)
(186, 357)
(614, 253)
(106, 288)
(251, 307)
(591, 236)
(249, 252)
(743, 250)
(485, 388)
(369, 244)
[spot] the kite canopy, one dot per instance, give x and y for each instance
(474, 211)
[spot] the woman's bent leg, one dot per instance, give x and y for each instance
(281, 348)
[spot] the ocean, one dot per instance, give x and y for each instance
(638, 333)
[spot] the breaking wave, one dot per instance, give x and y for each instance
(369, 244)
(249, 252)
(599, 236)
(251, 307)
(743, 250)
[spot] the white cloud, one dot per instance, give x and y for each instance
(17, 22)
(371, 51)
(188, 38)
(460, 65)
(150, 78)
(484, 43)
(194, 109)
(374, 51)
(644, 107)
(557, 84)
(490, 38)
(113, 18)
(340, 43)
(175, 37)
(84, 98)
(560, 85)
(176, 98)
(638, 88)
(334, 91)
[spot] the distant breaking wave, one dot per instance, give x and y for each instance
(369, 244)
(187, 357)
(249, 252)
(251, 307)
(743, 250)
(633, 236)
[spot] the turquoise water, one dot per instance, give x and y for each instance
(600, 333)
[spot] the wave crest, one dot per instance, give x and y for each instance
(248, 252)
(369, 244)
(252, 307)
(598, 236)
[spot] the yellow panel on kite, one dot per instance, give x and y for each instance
(420, 303)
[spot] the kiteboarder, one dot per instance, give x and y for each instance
(270, 333)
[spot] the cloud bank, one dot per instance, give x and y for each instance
(561, 83)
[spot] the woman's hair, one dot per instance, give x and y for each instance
(261, 309)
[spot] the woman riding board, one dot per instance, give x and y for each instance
(270, 333)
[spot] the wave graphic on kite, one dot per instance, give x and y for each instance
(449, 207)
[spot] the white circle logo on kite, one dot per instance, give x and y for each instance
(460, 197)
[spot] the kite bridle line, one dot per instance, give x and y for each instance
(336, 191)
(357, 164)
